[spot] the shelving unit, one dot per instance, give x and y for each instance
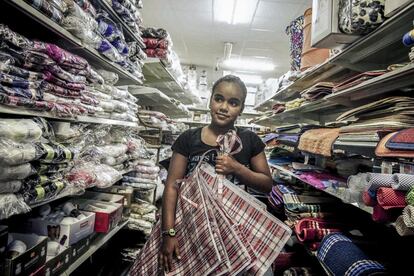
(78, 119)
(158, 76)
(157, 100)
(330, 191)
(105, 5)
(65, 39)
(374, 51)
(94, 246)
(245, 114)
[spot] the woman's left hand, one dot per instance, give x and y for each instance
(226, 164)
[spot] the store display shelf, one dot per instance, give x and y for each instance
(148, 96)
(94, 246)
(158, 76)
(355, 147)
(382, 47)
(245, 114)
(71, 43)
(106, 5)
(330, 191)
(392, 81)
(78, 119)
(303, 114)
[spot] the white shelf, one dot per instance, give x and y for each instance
(329, 191)
(148, 96)
(78, 119)
(71, 43)
(94, 246)
(158, 76)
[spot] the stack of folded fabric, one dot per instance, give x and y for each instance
(275, 197)
(318, 141)
(340, 256)
(158, 43)
(317, 91)
(357, 79)
(278, 107)
(128, 11)
(142, 217)
(294, 103)
(389, 114)
(155, 119)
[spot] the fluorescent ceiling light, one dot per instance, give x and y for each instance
(244, 11)
(234, 11)
(249, 64)
(223, 10)
(250, 79)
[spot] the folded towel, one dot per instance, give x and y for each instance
(388, 198)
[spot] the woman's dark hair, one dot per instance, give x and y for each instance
(232, 79)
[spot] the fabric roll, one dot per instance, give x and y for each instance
(342, 257)
(388, 198)
(319, 141)
(410, 197)
(381, 215)
(402, 140)
(402, 228)
(310, 230)
(408, 215)
(368, 200)
(377, 180)
(403, 182)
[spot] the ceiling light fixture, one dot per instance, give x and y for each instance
(250, 79)
(223, 10)
(249, 64)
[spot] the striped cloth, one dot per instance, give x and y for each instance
(408, 215)
(266, 234)
(341, 257)
(402, 228)
(403, 182)
(389, 198)
(312, 229)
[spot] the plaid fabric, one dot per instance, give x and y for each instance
(265, 233)
(408, 215)
(309, 230)
(403, 182)
(198, 247)
(341, 257)
(402, 228)
(389, 198)
(377, 180)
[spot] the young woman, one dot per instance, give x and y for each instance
(248, 167)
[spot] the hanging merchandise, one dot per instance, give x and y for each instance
(360, 17)
(295, 33)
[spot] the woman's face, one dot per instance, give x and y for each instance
(226, 104)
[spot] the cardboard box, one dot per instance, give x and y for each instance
(106, 197)
(106, 219)
(56, 265)
(73, 232)
(79, 248)
(325, 29)
(393, 6)
(30, 261)
(127, 192)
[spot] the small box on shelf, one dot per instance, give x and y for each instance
(56, 265)
(79, 248)
(31, 260)
(127, 192)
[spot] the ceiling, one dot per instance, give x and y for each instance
(199, 37)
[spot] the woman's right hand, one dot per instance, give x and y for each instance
(168, 248)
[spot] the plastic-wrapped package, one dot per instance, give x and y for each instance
(6, 34)
(76, 11)
(6, 58)
(104, 88)
(55, 153)
(146, 162)
(107, 176)
(145, 194)
(120, 116)
(87, 7)
(11, 186)
(29, 93)
(141, 207)
(18, 82)
(126, 15)
(43, 192)
(100, 152)
(120, 106)
(155, 33)
(11, 205)
(109, 51)
(60, 5)
(108, 29)
(121, 46)
(118, 94)
(13, 153)
(147, 169)
(113, 161)
(107, 106)
(59, 91)
(64, 75)
(154, 43)
(110, 78)
(47, 168)
(20, 72)
(20, 130)
(130, 179)
(77, 27)
(18, 172)
(47, 8)
(143, 175)
(99, 95)
(62, 83)
(65, 58)
(82, 175)
(93, 76)
(89, 100)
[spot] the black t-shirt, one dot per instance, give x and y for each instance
(190, 145)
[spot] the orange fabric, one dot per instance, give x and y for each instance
(382, 151)
(319, 141)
